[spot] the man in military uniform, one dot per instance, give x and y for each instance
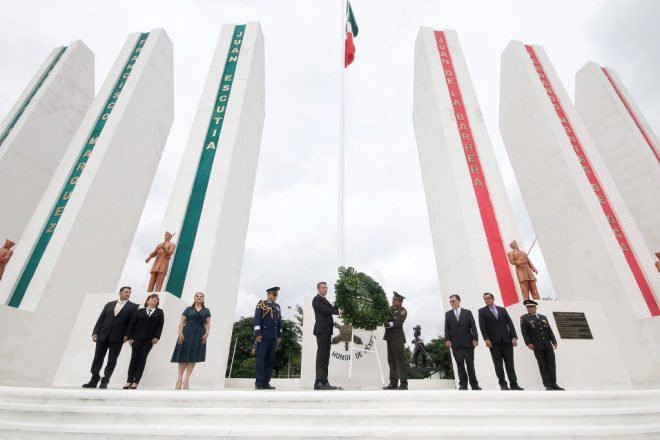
(539, 337)
(396, 341)
(268, 335)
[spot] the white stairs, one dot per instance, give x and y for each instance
(50, 413)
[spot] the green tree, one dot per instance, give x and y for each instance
(439, 352)
(287, 356)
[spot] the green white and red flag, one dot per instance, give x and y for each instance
(351, 33)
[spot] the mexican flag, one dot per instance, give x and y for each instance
(351, 32)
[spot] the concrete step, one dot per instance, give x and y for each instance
(141, 414)
(400, 430)
(314, 417)
(453, 399)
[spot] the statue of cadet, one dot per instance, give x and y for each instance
(525, 271)
(5, 255)
(162, 254)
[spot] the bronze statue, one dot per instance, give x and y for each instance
(5, 255)
(162, 253)
(525, 271)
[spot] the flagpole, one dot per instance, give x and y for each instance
(341, 231)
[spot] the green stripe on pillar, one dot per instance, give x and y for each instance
(33, 92)
(181, 260)
(46, 234)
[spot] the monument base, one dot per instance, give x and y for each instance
(159, 373)
(582, 364)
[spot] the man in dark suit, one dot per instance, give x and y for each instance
(461, 336)
(500, 336)
(110, 333)
(323, 326)
(539, 338)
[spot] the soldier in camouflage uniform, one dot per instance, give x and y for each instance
(396, 340)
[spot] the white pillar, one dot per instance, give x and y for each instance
(591, 244)
(38, 129)
(469, 211)
(626, 143)
(120, 142)
(210, 216)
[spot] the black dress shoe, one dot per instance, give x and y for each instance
(126, 387)
(557, 387)
(477, 388)
(90, 384)
(550, 388)
(403, 387)
(269, 387)
(517, 387)
(504, 388)
(462, 388)
(103, 385)
(390, 387)
(259, 387)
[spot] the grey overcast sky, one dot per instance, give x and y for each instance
(291, 239)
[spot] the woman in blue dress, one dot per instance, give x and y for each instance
(194, 329)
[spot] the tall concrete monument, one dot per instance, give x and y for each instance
(592, 245)
(626, 143)
(38, 129)
(80, 233)
(469, 211)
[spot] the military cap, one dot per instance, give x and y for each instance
(273, 289)
(397, 296)
(530, 302)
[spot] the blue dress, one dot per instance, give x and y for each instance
(192, 349)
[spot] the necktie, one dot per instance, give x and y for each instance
(149, 313)
(456, 312)
(118, 307)
(494, 311)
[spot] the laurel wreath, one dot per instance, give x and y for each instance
(362, 299)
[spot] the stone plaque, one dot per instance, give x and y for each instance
(572, 325)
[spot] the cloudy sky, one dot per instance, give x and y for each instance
(292, 240)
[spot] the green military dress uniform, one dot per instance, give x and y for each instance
(396, 340)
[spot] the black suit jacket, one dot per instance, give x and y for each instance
(147, 327)
(323, 312)
(460, 332)
(111, 327)
(498, 329)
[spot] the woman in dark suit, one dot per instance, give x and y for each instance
(143, 334)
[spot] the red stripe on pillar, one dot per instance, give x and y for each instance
(626, 104)
(589, 171)
(493, 237)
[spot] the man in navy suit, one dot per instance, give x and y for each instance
(500, 336)
(110, 333)
(461, 336)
